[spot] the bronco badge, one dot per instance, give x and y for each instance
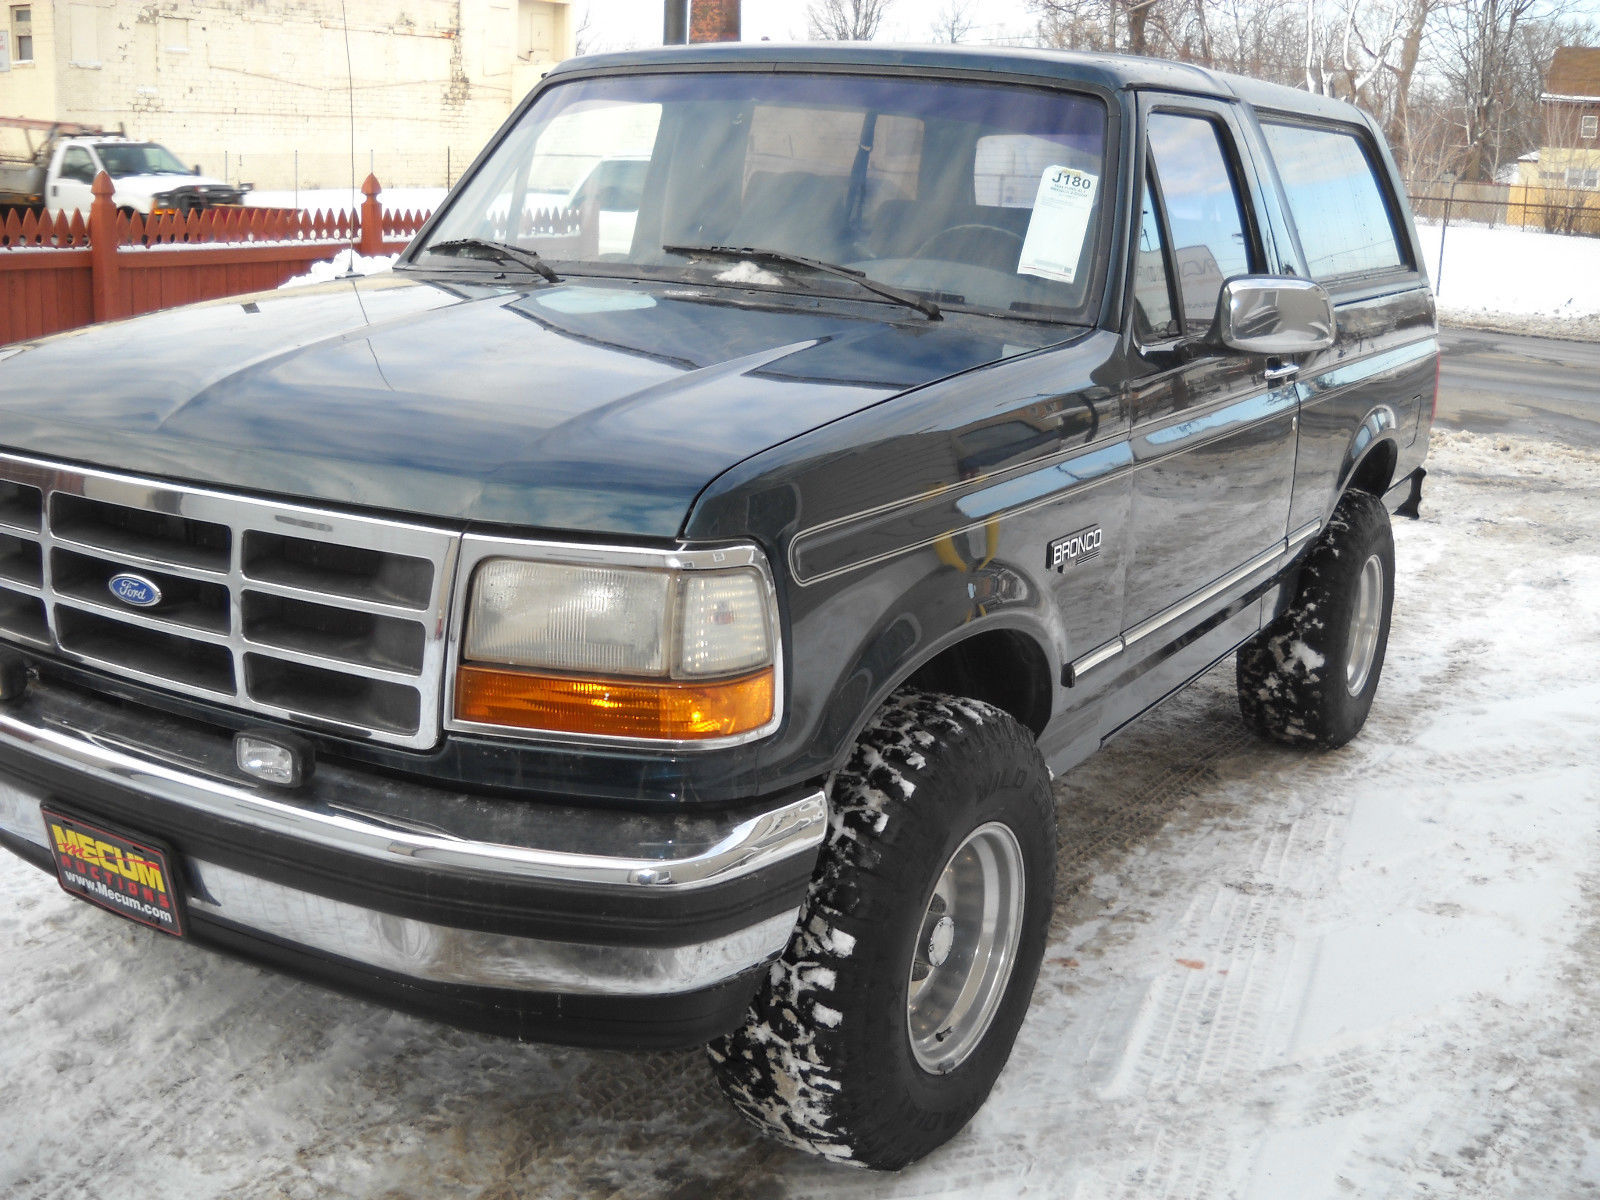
(135, 590)
(1073, 549)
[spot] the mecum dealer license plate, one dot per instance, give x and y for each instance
(127, 875)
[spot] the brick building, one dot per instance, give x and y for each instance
(1569, 156)
(254, 83)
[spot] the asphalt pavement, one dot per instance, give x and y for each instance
(1511, 383)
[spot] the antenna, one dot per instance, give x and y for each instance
(350, 87)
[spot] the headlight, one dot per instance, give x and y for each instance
(674, 647)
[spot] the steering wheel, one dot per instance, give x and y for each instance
(974, 243)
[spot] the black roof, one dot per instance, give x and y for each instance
(1113, 72)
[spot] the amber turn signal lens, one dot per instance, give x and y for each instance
(614, 708)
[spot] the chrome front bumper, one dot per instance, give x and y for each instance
(99, 747)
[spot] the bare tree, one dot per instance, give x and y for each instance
(1454, 84)
(1477, 46)
(845, 20)
(953, 23)
(1123, 25)
(583, 40)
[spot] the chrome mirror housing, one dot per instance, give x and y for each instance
(1273, 314)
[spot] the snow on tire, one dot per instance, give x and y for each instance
(1311, 675)
(943, 811)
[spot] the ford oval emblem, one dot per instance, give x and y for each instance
(135, 590)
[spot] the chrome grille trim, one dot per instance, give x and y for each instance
(374, 566)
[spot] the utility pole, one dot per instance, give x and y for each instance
(675, 23)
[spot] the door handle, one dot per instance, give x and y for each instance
(1277, 370)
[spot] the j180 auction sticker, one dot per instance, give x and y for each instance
(1059, 224)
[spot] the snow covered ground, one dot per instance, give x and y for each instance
(1521, 279)
(1272, 974)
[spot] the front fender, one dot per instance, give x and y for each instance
(945, 604)
(138, 202)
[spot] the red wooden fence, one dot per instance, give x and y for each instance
(59, 273)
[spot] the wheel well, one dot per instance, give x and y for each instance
(1000, 666)
(1376, 471)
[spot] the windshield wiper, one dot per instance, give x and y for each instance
(755, 254)
(502, 251)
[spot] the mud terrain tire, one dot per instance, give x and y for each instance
(941, 797)
(1311, 675)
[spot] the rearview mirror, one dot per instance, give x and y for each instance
(1273, 314)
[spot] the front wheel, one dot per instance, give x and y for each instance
(1312, 674)
(882, 1029)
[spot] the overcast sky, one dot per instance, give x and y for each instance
(626, 24)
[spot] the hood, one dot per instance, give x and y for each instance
(596, 407)
(146, 186)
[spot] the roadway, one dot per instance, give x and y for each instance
(1511, 383)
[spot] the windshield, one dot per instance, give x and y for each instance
(138, 158)
(973, 195)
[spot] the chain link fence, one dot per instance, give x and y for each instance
(1566, 210)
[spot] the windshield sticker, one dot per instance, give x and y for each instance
(593, 300)
(1059, 224)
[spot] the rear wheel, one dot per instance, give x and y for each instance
(882, 1029)
(1311, 676)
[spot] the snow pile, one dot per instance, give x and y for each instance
(1513, 272)
(343, 265)
(749, 272)
(1273, 973)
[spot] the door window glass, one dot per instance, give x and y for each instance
(1153, 317)
(1336, 200)
(76, 164)
(1202, 202)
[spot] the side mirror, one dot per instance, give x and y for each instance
(197, 169)
(1273, 314)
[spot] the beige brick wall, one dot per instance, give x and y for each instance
(250, 83)
(28, 89)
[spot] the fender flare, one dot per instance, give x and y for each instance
(1378, 433)
(898, 647)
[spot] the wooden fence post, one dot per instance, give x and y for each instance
(103, 249)
(371, 218)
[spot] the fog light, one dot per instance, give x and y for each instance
(13, 676)
(274, 758)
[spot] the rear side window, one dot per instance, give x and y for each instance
(1007, 166)
(1337, 201)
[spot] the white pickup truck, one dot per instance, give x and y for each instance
(56, 172)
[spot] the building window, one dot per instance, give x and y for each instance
(1588, 127)
(22, 32)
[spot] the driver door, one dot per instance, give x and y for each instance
(1214, 429)
(73, 188)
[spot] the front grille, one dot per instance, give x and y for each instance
(334, 621)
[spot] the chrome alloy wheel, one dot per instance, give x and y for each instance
(1365, 620)
(966, 948)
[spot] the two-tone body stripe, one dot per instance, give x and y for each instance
(1340, 376)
